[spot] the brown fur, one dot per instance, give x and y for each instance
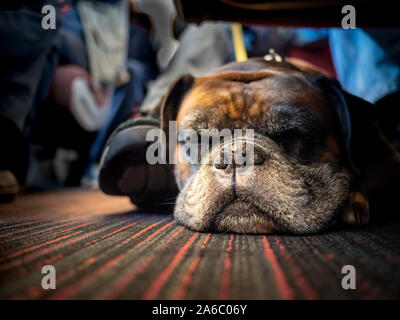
(306, 177)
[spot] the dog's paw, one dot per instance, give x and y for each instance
(357, 210)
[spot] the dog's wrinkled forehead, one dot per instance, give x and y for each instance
(273, 102)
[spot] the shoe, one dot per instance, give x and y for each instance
(13, 161)
(124, 170)
(9, 186)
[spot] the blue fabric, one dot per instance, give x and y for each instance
(303, 36)
(367, 62)
(72, 22)
(71, 41)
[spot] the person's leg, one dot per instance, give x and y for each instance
(14, 158)
(23, 50)
(24, 46)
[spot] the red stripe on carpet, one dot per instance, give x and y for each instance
(365, 286)
(180, 293)
(56, 247)
(155, 287)
(281, 282)
(38, 246)
(127, 279)
(17, 225)
(181, 290)
(57, 257)
(154, 233)
(25, 234)
(44, 230)
(362, 284)
(47, 250)
(118, 230)
(225, 287)
(69, 291)
(205, 241)
(36, 292)
(353, 237)
(327, 255)
(141, 219)
(390, 259)
(87, 280)
(143, 230)
(173, 236)
(307, 291)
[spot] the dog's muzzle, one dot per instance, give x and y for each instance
(237, 154)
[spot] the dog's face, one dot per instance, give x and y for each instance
(297, 181)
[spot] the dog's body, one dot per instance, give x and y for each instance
(317, 154)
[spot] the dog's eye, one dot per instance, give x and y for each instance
(285, 135)
(287, 139)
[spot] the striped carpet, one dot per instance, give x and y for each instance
(101, 249)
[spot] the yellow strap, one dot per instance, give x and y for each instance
(238, 44)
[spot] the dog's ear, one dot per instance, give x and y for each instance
(171, 102)
(364, 142)
(336, 98)
(168, 108)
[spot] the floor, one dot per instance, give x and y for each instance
(102, 248)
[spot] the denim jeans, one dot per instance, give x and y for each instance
(26, 68)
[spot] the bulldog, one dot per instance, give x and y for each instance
(318, 155)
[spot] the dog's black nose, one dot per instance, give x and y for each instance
(238, 155)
